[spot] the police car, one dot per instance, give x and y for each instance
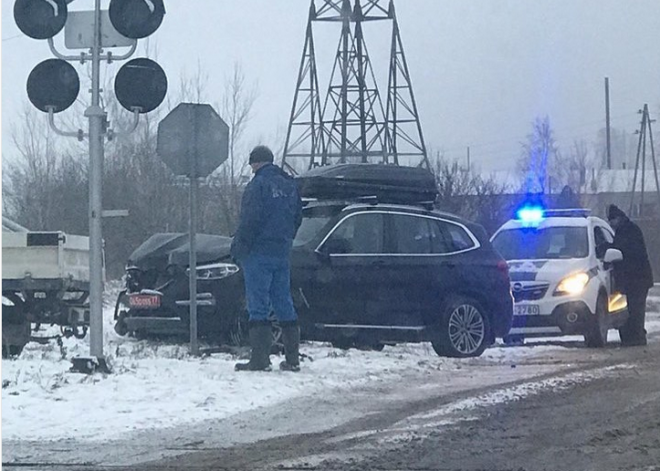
(562, 281)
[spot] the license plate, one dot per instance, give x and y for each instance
(144, 300)
(526, 310)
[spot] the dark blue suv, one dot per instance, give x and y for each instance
(364, 273)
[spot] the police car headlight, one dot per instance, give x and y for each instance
(573, 284)
(215, 271)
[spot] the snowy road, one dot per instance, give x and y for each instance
(160, 402)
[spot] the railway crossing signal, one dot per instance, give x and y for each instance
(53, 86)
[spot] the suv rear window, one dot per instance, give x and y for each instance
(540, 244)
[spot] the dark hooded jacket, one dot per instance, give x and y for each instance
(634, 271)
(271, 212)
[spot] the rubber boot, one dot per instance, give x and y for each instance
(291, 341)
(261, 338)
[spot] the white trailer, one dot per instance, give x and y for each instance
(45, 280)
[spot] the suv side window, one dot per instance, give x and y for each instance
(423, 235)
(360, 233)
(602, 239)
(458, 239)
(414, 235)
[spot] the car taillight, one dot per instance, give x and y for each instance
(503, 268)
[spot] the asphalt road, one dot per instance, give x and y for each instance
(599, 414)
(609, 423)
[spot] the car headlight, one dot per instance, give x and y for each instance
(573, 284)
(215, 271)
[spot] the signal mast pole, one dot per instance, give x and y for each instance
(97, 124)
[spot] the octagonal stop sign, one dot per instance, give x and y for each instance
(193, 140)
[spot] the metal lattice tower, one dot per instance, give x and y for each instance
(352, 125)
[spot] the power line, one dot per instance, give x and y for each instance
(12, 37)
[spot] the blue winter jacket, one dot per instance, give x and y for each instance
(271, 212)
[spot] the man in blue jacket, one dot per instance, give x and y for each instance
(271, 212)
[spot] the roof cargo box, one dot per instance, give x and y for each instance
(388, 183)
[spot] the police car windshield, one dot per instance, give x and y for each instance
(529, 243)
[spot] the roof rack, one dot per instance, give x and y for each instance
(370, 200)
(568, 212)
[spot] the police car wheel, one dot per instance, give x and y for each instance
(596, 337)
(464, 329)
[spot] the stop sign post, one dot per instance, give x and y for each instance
(193, 141)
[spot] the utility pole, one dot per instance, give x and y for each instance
(607, 122)
(644, 131)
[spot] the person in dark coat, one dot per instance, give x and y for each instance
(271, 213)
(633, 274)
(567, 199)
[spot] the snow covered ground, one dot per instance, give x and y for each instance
(157, 386)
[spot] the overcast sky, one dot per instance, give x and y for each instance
(482, 70)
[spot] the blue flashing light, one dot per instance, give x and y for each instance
(530, 215)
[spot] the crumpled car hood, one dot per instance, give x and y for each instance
(163, 249)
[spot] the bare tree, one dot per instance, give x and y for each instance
(32, 175)
(454, 183)
(538, 152)
(226, 184)
(464, 192)
(237, 106)
(193, 89)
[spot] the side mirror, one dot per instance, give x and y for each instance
(613, 255)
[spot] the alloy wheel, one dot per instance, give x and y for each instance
(467, 329)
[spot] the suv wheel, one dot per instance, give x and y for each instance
(464, 329)
(596, 337)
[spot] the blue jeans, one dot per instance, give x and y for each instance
(268, 287)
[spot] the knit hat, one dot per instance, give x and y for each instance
(613, 211)
(261, 154)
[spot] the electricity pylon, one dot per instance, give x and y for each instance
(349, 124)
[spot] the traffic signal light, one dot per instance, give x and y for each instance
(39, 19)
(136, 19)
(53, 85)
(140, 83)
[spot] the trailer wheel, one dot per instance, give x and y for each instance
(15, 325)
